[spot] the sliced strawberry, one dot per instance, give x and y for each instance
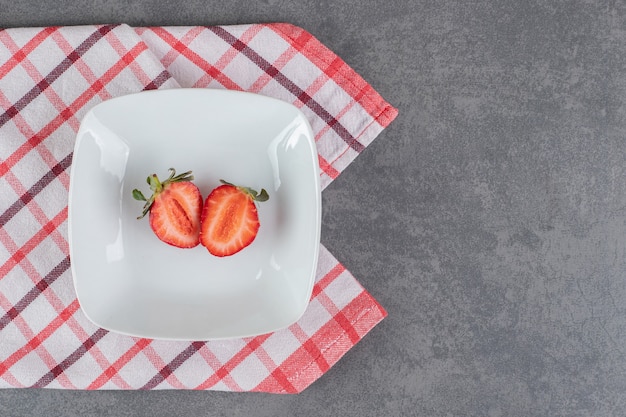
(230, 221)
(175, 207)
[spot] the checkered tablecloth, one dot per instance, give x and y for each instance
(49, 78)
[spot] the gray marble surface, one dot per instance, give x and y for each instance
(489, 219)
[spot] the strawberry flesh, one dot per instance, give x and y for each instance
(230, 220)
(175, 208)
(175, 215)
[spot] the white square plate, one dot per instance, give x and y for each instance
(130, 282)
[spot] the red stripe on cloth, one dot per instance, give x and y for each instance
(18, 254)
(277, 382)
(26, 197)
(57, 322)
(14, 312)
(135, 67)
(158, 81)
(70, 360)
(362, 313)
(169, 369)
(22, 52)
(186, 39)
(327, 279)
(69, 111)
(91, 347)
(34, 292)
(159, 364)
(314, 88)
(39, 79)
(55, 73)
(339, 71)
(279, 376)
(339, 317)
(290, 86)
(215, 364)
(44, 288)
(346, 325)
(13, 382)
(239, 357)
(314, 351)
(80, 65)
(20, 323)
(331, 307)
(228, 56)
(58, 305)
(309, 346)
(196, 59)
(279, 64)
(36, 211)
(58, 171)
(327, 168)
(112, 372)
(42, 285)
(27, 132)
(355, 311)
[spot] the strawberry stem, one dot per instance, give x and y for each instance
(256, 196)
(156, 186)
(185, 176)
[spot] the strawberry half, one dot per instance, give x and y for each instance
(230, 221)
(175, 207)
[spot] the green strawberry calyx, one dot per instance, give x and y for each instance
(259, 196)
(158, 186)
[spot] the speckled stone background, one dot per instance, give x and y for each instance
(489, 219)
